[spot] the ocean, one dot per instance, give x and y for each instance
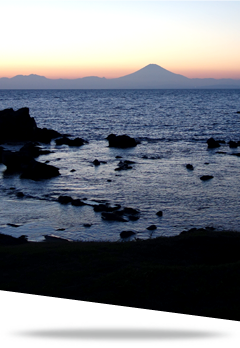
(172, 127)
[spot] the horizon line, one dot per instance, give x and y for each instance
(113, 78)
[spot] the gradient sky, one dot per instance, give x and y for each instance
(72, 38)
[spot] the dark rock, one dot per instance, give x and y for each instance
(39, 171)
(14, 225)
(77, 202)
(112, 217)
(16, 161)
(212, 143)
(206, 177)
(10, 240)
(19, 126)
(73, 170)
(78, 142)
(20, 194)
(236, 154)
(30, 149)
(62, 141)
(70, 142)
(130, 211)
(238, 112)
(189, 166)
(127, 234)
(100, 208)
(118, 157)
(96, 162)
(152, 228)
(87, 225)
(65, 199)
(16, 125)
(105, 208)
(133, 217)
(159, 213)
(121, 141)
(45, 135)
(232, 144)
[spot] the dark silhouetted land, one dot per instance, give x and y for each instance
(151, 76)
(194, 273)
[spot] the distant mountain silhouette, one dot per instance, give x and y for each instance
(151, 76)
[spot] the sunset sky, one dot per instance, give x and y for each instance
(72, 38)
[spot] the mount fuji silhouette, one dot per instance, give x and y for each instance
(151, 76)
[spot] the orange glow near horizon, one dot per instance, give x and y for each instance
(111, 72)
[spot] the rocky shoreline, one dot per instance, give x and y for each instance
(17, 127)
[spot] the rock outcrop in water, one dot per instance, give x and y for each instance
(124, 165)
(121, 141)
(18, 126)
(189, 166)
(39, 171)
(233, 144)
(212, 143)
(23, 162)
(206, 177)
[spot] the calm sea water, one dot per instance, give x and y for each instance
(173, 127)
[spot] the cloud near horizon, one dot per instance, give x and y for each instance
(72, 39)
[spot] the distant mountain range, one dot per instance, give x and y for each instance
(150, 77)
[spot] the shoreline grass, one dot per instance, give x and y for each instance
(196, 272)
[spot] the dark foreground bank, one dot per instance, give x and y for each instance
(197, 272)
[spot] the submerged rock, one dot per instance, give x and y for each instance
(130, 211)
(113, 217)
(77, 202)
(159, 213)
(70, 142)
(105, 208)
(121, 141)
(124, 165)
